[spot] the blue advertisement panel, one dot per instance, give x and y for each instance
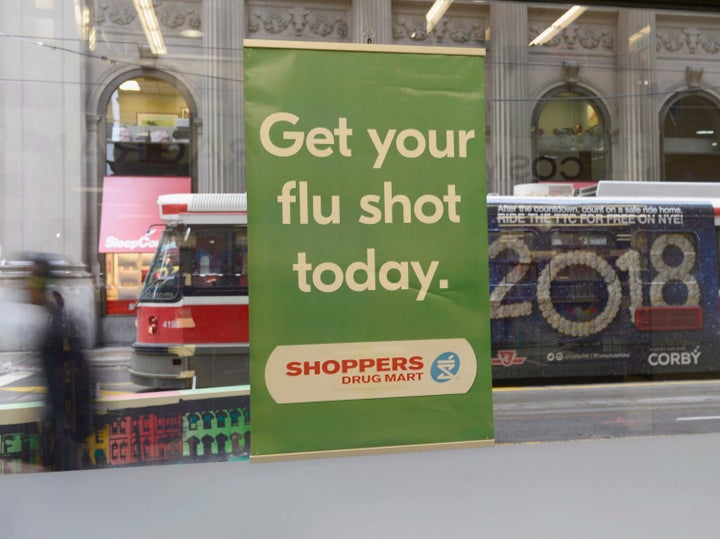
(602, 288)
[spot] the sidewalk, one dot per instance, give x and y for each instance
(108, 356)
(653, 486)
(663, 487)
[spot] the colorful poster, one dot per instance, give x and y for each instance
(367, 224)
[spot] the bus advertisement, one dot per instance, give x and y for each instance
(580, 288)
(602, 287)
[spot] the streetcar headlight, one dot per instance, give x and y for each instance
(152, 325)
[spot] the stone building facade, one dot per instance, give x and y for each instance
(619, 94)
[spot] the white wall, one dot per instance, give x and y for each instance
(42, 151)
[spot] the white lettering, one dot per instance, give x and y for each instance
(362, 275)
(664, 359)
(144, 242)
(381, 147)
(418, 144)
(373, 215)
(320, 141)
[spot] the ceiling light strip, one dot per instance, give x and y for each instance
(559, 25)
(150, 25)
(436, 12)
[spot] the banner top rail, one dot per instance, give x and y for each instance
(362, 47)
(662, 5)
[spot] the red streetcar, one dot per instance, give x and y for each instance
(192, 313)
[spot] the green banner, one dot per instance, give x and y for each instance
(367, 224)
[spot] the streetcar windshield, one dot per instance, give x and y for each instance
(198, 260)
(162, 282)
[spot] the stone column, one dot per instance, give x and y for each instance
(638, 134)
(95, 144)
(508, 109)
(221, 166)
(372, 21)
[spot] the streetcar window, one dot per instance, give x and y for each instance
(216, 261)
(582, 239)
(163, 278)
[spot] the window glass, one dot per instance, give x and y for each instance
(615, 93)
(148, 130)
(581, 240)
(163, 278)
(691, 131)
(570, 139)
(217, 258)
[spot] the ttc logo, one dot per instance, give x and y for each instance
(507, 358)
(445, 367)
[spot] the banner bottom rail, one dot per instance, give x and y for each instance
(382, 450)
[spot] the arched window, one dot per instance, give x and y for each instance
(147, 151)
(570, 137)
(148, 129)
(690, 134)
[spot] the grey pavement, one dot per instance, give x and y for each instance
(650, 487)
(634, 487)
(107, 356)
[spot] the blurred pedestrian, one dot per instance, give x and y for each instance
(68, 417)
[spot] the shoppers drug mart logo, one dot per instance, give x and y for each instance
(445, 367)
(370, 370)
